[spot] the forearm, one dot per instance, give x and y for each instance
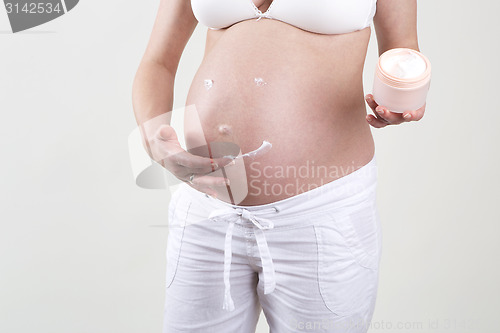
(152, 93)
(411, 43)
(396, 24)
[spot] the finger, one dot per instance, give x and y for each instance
(373, 121)
(392, 118)
(371, 102)
(417, 115)
(224, 161)
(414, 115)
(194, 163)
(200, 164)
(378, 117)
(408, 116)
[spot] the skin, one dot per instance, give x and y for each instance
(311, 108)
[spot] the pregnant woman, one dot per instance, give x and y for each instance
(292, 228)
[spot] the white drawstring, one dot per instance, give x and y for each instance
(232, 215)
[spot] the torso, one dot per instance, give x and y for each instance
(311, 107)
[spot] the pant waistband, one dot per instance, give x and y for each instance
(343, 192)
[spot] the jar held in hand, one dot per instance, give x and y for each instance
(402, 80)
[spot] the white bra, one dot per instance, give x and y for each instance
(320, 16)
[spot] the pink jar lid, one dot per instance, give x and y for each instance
(396, 81)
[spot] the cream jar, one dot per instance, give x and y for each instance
(402, 80)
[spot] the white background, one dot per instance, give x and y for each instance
(82, 247)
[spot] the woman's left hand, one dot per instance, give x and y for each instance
(384, 117)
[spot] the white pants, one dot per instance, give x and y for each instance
(310, 262)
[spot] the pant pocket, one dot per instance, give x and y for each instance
(178, 214)
(361, 233)
(348, 259)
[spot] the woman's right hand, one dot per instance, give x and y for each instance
(164, 148)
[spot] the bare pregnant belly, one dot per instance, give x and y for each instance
(300, 91)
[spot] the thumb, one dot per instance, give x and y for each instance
(166, 133)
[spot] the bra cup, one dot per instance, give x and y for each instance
(371, 13)
(218, 14)
(325, 16)
(320, 16)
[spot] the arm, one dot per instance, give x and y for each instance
(395, 24)
(152, 97)
(152, 92)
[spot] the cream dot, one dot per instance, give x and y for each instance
(259, 81)
(208, 84)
